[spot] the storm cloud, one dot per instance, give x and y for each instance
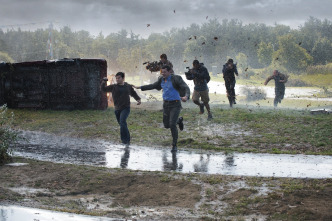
(144, 17)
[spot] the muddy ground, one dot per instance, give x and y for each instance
(137, 195)
(146, 195)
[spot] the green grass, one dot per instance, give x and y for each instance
(243, 129)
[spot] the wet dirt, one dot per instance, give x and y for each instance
(144, 195)
(43, 146)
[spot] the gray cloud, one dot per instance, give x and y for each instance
(109, 16)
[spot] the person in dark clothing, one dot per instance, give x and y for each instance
(175, 90)
(229, 69)
(163, 61)
(279, 80)
(121, 92)
(201, 78)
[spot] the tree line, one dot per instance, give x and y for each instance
(252, 46)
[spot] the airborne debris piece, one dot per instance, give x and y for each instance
(321, 111)
(153, 66)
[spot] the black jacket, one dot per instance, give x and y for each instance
(177, 82)
(229, 73)
(120, 94)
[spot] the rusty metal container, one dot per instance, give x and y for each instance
(65, 84)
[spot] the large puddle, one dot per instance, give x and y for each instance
(48, 147)
(16, 213)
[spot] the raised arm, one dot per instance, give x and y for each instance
(104, 86)
(268, 79)
(156, 85)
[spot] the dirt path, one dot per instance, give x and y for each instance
(120, 193)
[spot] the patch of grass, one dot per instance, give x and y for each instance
(166, 178)
(292, 186)
(239, 129)
(213, 179)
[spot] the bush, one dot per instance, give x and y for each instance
(6, 135)
(320, 69)
(253, 94)
(297, 83)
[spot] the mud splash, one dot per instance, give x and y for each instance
(48, 147)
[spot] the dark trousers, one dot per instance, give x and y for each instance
(230, 85)
(279, 95)
(121, 117)
(171, 112)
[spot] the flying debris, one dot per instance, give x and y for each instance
(203, 43)
(148, 25)
(215, 38)
(300, 43)
(174, 10)
(206, 17)
(189, 38)
(246, 69)
(185, 61)
(277, 58)
(195, 36)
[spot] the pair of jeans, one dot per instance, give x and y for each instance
(121, 117)
(171, 112)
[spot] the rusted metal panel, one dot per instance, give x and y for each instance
(61, 84)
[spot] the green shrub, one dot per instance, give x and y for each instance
(320, 69)
(6, 135)
(297, 83)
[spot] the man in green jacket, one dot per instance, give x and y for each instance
(175, 90)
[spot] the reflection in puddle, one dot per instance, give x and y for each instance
(15, 213)
(91, 152)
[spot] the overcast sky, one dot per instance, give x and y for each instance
(144, 17)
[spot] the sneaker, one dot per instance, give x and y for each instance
(174, 149)
(180, 123)
(209, 116)
(201, 108)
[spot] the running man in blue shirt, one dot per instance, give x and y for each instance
(175, 90)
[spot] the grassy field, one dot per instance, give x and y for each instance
(246, 128)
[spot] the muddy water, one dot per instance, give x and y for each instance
(47, 147)
(17, 213)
